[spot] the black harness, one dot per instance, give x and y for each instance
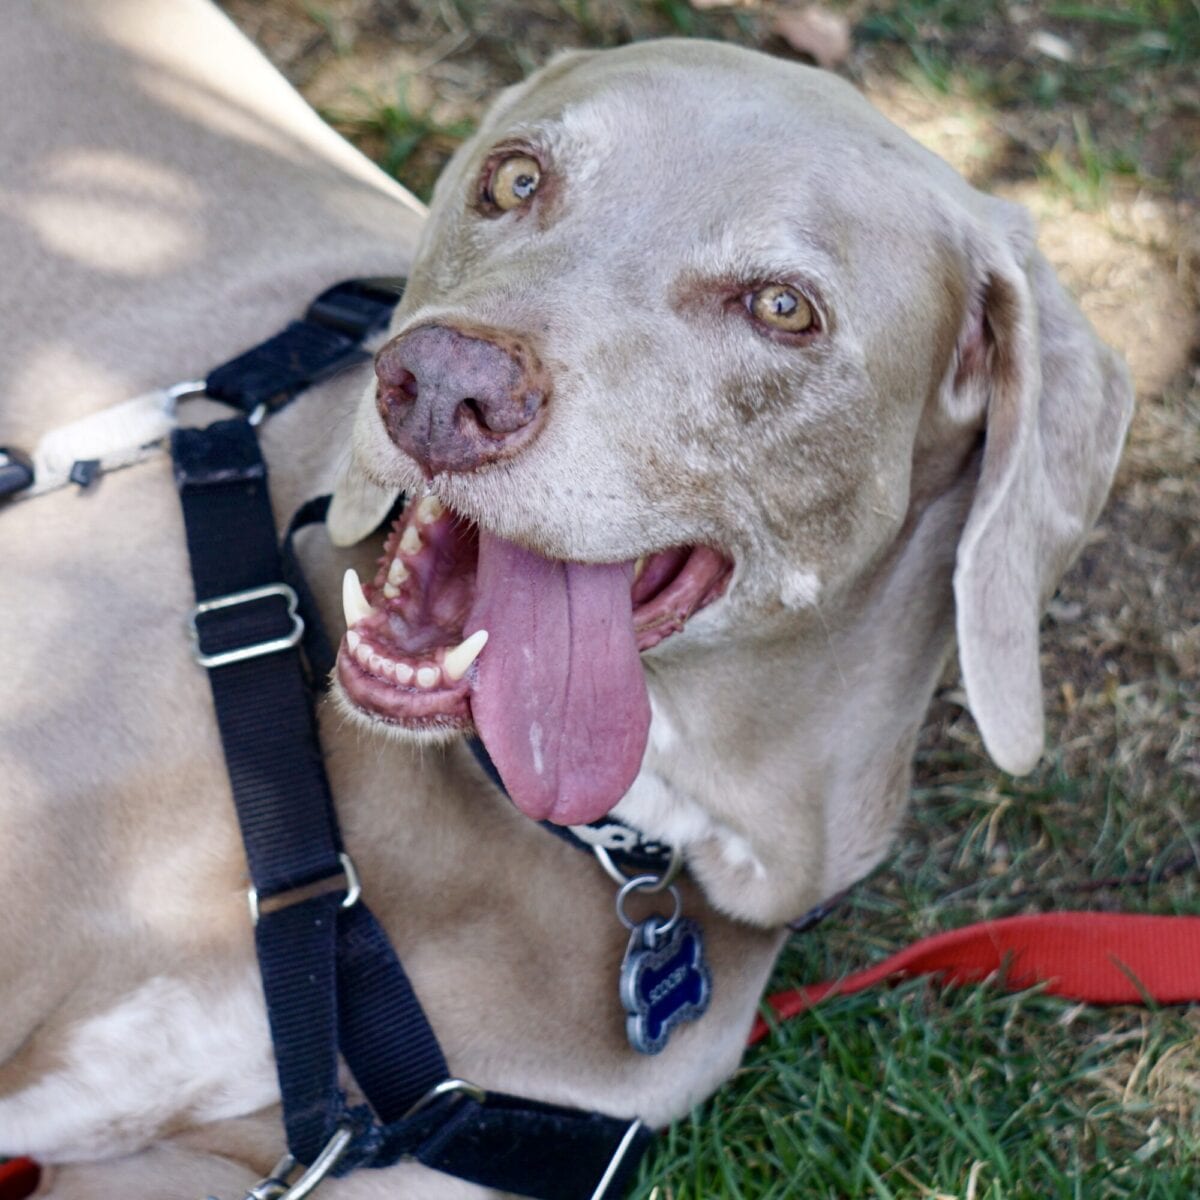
(334, 987)
(335, 990)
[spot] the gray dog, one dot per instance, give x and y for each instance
(722, 406)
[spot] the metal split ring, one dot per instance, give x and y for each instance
(648, 883)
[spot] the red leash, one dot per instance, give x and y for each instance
(1096, 958)
(18, 1178)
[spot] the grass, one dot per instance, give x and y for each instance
(411, 144)
(919, 1092)
(1131, 70)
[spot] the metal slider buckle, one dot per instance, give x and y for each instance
(306, 891)
(617, 1159)
(256, 649)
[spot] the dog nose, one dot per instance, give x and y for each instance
(455, 401)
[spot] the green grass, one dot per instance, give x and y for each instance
(410, 144)
(1130, 75)
(919, 1092)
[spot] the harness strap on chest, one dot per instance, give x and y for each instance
(330, 977)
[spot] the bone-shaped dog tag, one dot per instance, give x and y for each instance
(664, 981)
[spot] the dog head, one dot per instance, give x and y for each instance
(709, 386)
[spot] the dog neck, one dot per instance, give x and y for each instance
(791, 789)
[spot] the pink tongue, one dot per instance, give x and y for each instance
(560, 699)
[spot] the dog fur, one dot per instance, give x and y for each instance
(924, 467)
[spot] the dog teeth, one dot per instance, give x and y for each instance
(426, 675)
(639, 567)
(354, 601)
(429, 509)
(410, 541)
(397, 573)
(458, 660)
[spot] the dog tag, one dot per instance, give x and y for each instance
(664, 981)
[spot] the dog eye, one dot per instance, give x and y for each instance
(783, 308)
(513, 182)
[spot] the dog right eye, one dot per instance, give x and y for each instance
(512, 182)
(781, 307)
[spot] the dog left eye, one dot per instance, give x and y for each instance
(782, 307)
(513, 182)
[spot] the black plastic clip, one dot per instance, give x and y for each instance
(16, 471)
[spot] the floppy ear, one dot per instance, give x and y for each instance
(1057, 405)
(358, 507)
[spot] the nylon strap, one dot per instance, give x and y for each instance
(1096, 958)
(330, 977)
(324, 342)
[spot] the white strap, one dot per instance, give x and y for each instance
(119, 436)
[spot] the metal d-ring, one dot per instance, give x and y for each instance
(447, 1087)
(182, 391)
(661, 882)
(648, 883)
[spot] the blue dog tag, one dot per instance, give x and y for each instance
(664, 982)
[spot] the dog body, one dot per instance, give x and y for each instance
(170, 202)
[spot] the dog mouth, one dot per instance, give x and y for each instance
(461, 629)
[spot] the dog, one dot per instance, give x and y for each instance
(724, 411)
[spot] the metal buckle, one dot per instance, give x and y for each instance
(306, 891)
(276, 1186)
(618, 1157)
(257, 649)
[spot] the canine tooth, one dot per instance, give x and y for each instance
(427, 676)
(397, 573)
(352, 640)
(410, 540)
(458, 660)
(354, 602)
(429, 509)
(639, 567)
(403, 672)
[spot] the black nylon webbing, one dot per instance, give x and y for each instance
(330, 977)
(262, 707)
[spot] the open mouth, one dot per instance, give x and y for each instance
(461, 628)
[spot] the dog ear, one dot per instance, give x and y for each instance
(358, 507)
(1056, 404)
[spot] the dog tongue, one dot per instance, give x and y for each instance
(559, 698)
